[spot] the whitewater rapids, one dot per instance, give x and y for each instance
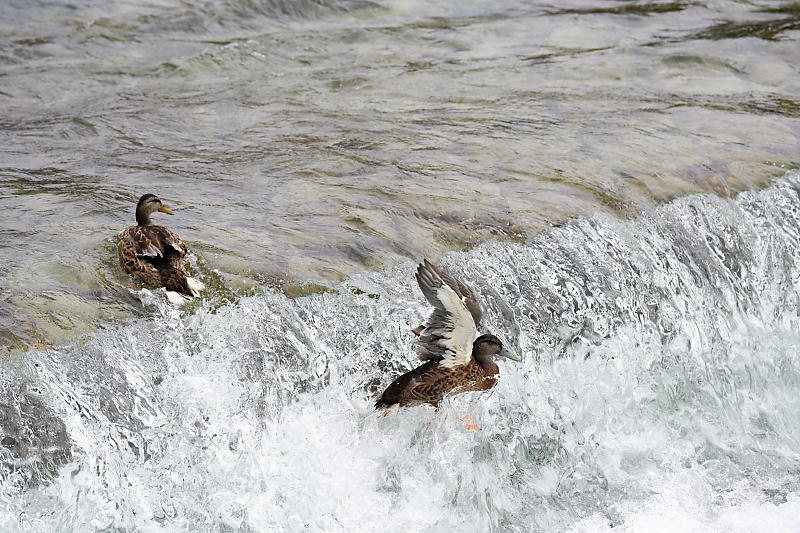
(660, 391)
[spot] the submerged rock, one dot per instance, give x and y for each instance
(33, 440)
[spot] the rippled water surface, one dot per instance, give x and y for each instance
(304, 141)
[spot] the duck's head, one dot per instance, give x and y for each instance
(149, 203)
(488, 345)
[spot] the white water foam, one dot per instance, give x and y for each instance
(660, 391)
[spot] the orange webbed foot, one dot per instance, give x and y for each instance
(470, 424)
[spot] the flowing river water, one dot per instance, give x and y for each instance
(610, 176)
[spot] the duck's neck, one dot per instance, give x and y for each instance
(485, 362)
(142, 217)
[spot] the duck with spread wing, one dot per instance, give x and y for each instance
(455, 360)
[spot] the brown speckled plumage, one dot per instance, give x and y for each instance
(429, 383)
(152, 254)
(454, 363)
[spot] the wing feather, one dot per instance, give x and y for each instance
(154, 255)
(464, 291)
(450, 330)
(150, 251)
(132, 244)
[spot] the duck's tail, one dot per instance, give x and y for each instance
(195, 285)
(177, 298)
(180, 287)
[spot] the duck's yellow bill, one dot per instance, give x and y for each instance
(165, 209)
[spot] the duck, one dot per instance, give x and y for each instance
(153, 255)
(455, 360)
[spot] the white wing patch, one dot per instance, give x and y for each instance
(150, 251)
(459, 334)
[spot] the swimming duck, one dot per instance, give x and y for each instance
(154, 254)
(455, 360)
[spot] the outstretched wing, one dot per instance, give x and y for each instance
(463, 291)
(450, 330)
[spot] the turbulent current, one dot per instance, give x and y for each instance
(659, 391)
